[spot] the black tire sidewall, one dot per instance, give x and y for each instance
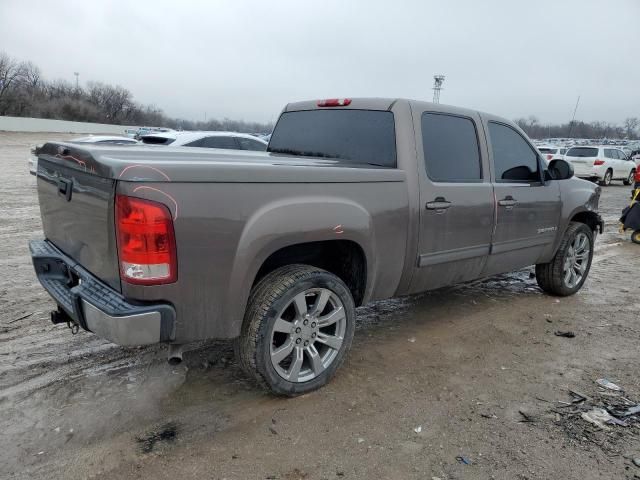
(635, 237)
(263, 358)
(606, 182)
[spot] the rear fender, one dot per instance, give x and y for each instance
(294, 221)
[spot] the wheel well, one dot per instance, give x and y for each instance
(343, 258)
(588, 218)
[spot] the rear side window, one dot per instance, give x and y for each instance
(610, 153)
(450, 146)
(513, 158)
(228, 143)
(248, 144)
(349, 136)
(582, 152)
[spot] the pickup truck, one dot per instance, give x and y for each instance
(355, 200)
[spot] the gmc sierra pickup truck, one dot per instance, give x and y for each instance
(355, 200)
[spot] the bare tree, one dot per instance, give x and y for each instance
(630, 125)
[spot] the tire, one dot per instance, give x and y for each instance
(275, 323)
(552, 276)
(606, 180)
(635, 237)
(630, 178)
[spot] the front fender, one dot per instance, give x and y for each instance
(579, 197)
(292, 221)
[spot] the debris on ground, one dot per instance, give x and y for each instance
(412, 340)
(464, 460)
(606, 417)
(598, 417)
(567, 334)
(418, 429)
(166, 433)
(636, 462)
(528, 416)
(603, 382)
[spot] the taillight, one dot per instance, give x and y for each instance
(598, 162)
(146, 242)
(549, 156)
(637, 176)
(334, 102)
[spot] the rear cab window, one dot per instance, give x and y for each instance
(450, 146)
(348, 136)
(514, 160)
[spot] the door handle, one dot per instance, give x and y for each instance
(508, 202)
(440, 203)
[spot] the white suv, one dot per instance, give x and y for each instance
(551, 152)
(603, 163)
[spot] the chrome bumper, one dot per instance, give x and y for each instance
(87, 302)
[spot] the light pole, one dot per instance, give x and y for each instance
(77, 74)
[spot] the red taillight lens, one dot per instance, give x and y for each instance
(549, 156)
(146, 242)
(637, 175)
(334, 102)
(598, 162)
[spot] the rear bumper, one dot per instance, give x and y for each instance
(95, 306)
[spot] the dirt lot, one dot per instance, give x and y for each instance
(468, 365)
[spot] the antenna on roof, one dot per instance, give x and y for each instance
(438, 80)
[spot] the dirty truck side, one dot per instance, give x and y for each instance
(355, 200)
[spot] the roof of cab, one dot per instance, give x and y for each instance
(366, 103)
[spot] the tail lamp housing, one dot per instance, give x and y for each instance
(146, 241)
(598, 162)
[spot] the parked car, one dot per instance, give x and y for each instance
(32, 161)
(224, 140)
(356, 200)
(601, 163)
(550, 152)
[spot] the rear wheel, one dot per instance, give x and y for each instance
(568, 270)
(635, 237)
(606, 180)
(297, 329)
(630, 178)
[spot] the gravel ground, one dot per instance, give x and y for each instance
(465, 382)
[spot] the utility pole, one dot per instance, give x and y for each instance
(438, 80)
(77, 74)
(574, 117)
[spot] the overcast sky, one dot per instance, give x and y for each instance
(247, 59)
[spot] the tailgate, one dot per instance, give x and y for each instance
(77, 214)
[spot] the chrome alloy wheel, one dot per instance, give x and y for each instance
(577, 260)
(307, 335)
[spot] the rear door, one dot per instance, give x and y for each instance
(456, 199)
(528, 210)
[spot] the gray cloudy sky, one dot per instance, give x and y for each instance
(247, 59)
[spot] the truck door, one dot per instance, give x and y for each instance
(456, 199)
(528, 209)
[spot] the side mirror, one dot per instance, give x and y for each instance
(560, 170)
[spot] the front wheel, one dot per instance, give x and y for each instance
(635, 237)
(568, 270)
(630, 178)
(606, 180)
(297, 329)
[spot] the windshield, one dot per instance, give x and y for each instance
(349, 136)
(548, 150)
(582, 152)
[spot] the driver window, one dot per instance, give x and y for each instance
(513, 158)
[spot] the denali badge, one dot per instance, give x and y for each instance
(547, 229)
